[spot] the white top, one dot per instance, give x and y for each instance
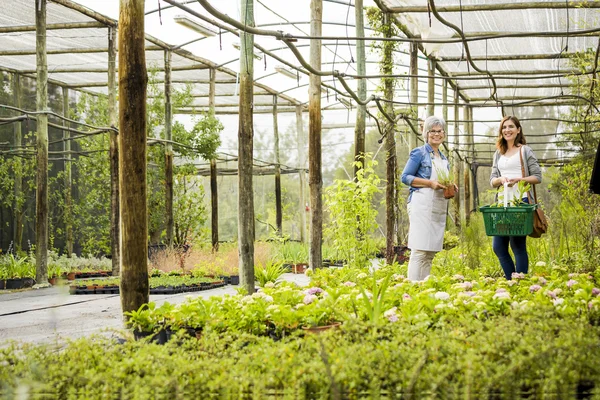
(510, 167)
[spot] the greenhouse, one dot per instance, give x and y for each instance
(308, 199)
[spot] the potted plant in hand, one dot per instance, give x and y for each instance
(446, 178)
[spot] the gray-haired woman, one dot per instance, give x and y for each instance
(427, 206)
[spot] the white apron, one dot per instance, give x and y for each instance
(427, 215)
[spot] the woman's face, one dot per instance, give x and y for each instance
(510, 130)
(436, 135)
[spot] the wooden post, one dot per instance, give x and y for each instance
(431, 87)
(133, 80)
(315, 178)
(414, 91)
(18, 216)
(245, 151)
(278, 210)
(361, 111)
(68, 217)
(214, 196)
(445, 100)
(466, 166)
(456, 163)
(113, 155)
(168, 151)
(390, 143)
(41, 214)
(471, 151)
(301, 177)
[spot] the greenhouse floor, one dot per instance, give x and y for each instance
(49, 315)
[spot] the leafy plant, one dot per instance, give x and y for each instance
(445, 176)
(353, 219)
(270, 272)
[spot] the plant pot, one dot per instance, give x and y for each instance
(449, 192)
(235, 279)
(15, 283)
(53, 281)
(299, 268)
(322, 328)
(2, 283)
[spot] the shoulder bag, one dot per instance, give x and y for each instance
(540, 224)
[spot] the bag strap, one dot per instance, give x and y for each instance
(523, 175)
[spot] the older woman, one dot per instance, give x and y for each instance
(511, 153)
(427, 206)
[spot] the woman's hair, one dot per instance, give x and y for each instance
(501, 143)
(429, 123)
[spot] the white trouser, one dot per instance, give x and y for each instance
(419, 265)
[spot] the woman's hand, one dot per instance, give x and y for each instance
(435, 185)
(513, 181)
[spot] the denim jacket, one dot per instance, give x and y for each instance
(419, 165)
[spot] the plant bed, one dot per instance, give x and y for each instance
(19, 283)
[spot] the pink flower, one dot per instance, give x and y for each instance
(309, 298)
(542, 280)
(518, 275)
(590, 305)
(349, 284)
(534, 288)
(572, 275)
(595, 292)
(500, 290)
(551, 294)
(467, 285)
(458, 277)
(314, 290)
(406, 296)
(571, 282)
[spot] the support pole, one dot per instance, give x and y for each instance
(133, 80)
(431, 87)
(18, 224)
(278, 210)
(456, 163)
(68, 215)
(301, 173)
(168, 151)
(113, 154)
(214, 195)
(445, 100)
(245, 149)
(41, 214)
(414, 91)
(390, 143)
(361, 110)
(466, 166)
(315, 178)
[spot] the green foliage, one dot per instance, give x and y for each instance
(352, 215)
(269, 273)
(189, 209)
(15, 267)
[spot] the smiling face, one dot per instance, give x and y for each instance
(436, 135)
(510, 131)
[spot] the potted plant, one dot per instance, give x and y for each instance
(446, 178)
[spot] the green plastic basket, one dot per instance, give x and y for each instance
(508, 221)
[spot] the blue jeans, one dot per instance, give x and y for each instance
(518, 244)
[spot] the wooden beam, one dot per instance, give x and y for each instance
(214, 196)
(246, 228)
(315, 174)
(41, 198)
(133, 80)
(87, 12)
(113, 155)
(59, 70)
(83, 50)
(70, 25)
